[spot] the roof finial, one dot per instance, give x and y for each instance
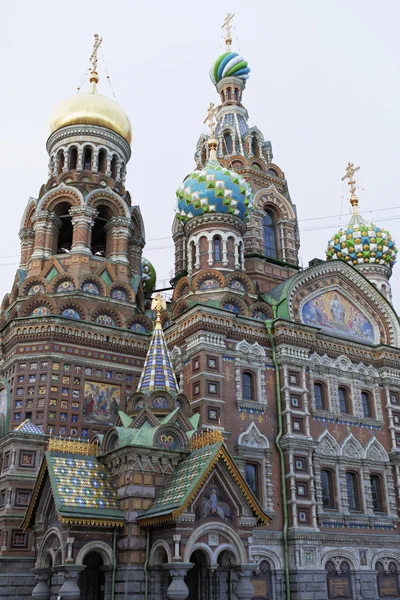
(159, 305)
(94, 78)
(212, 142)
(350, 171)
(227, 25)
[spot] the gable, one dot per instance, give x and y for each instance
(340, 301)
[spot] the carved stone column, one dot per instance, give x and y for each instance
(82, 221)
(41, 591)
(70, 588)
(42, 225)
(244, 590)
(27, 238)
(118, 231)
(177, 589)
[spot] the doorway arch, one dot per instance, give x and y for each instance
(92, 580)
(197, 578)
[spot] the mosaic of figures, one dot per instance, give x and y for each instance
(101, 402)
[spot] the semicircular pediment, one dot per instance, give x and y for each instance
(336, 314)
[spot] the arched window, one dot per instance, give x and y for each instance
(228, 143)
(251, 476)
(327, 489)
(99, 235)
(87, 159)
(254, 146)
(73, 158)
(353, 496)
(102, 161)
(376, 491)
(344, 400)
(193, 248)
(62, 241)
(61, 161)
(319, 395)
(269, 234)
(229, 94)
(366, 404)
(217, 248)
(236, 94)
(114, 167)
(248, 386)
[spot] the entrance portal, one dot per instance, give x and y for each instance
(197, 578)
(91, 580)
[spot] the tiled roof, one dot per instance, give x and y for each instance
(157, 372)
(28, 427)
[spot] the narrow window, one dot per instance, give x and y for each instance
(217, 248)
(366, 404)
(327, 489)
(269, 235)
(343, 400)
(376, 490)
(228, 143)
(247, 386)
(73, 159)
(236, 94)
(251, 475)
(102, 161)
(87, 159)
(229, 94)
(352, 491)
(254, 146)
(61, 161)
(319, 395)
(114, 167)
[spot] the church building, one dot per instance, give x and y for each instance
(240, 441)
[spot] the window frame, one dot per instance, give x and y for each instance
(269, 234)
(252, 386)
(346, 399)
(381, 494)
(256, 467)
(369, 404)
(331, 485)
(321, 386)
(217, 254)
(356, 491)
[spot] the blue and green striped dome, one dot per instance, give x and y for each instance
(214, 189)
(362, 243)
(229, 64)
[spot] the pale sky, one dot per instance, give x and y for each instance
(324, 88)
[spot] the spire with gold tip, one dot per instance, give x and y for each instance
(158, 374)
(361, 242)
(92, 108)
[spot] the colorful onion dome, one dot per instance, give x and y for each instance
(214, 189)
(149, 276)
(362, 243)
(229, 64)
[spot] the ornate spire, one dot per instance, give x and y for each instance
(94, 77)
(227, 25)
(350, 171)
(210, 120)
(158, 373)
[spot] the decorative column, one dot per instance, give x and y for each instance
(42, 222)
(369, 506)
(41, 591)
(244, 590)
(79, 164)
(135, 249)
(197, 263)
(190, 259)
(118, 230)
(82, 221)
(177, 542)
(177, 589)
(70, 588)
(66, 162)
(70, 545)
(241, 250)
(237, 261)
(108, 166)
(95, 163)
(210, 252)
(224, 252)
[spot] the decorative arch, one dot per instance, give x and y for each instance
(61, 193)
(39, 300)
(243, 278)
(211, 274)
(32, 281)
(261, 311)
(183, 283)
(341, 554)
(351, 448)
(144, 324)
(386, 554)
(107, 197)
(45, 547)
(258, 553)
(270, 198)
(155, 550)
(26, 221)
(375, 452)
(107, 309)
(233, 537)
(179, 308)
(60, 278)
(170, 437)
(122, 286)
(101, 548)
(235, 302)
(138, 223)
(75, 305)
(244, 347)
(328, 446)
(252, 438)
(5, 303)
(97, 280)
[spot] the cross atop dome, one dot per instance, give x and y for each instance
(227, 25)
(350, 172)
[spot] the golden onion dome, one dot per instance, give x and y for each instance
(91, 109)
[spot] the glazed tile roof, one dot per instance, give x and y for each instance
(184, 484)
(28, 427)
(157, 372)
(82, 489)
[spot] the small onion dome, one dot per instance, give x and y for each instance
(214, 189)
(362, 243)
(229, 64)
(149, 276)
(91, 109)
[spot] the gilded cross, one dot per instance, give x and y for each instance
(159, 305)
(93, 59)
(210, 118)
(227, 25)
(350, 170)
